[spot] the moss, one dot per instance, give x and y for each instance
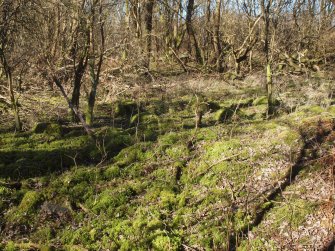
(54, 129)
(207, 134)
(213, 106)
(74, 248)
(40, 127)
(135, 119)
(28, 205)
(306, 112)
(50, 129)
(154, 195)
(294, 212)
(108, 200)
(331, 109)
(179, 104)
(81, 191)
(133, 154)
(112, 172)
(219, 149)
(47, 248)
(30, 201)
(4, 191)
(172, 138)
(263, 100)
(290, 137)
(148, 126)
(241, 220)
(257, 244)
(44, 235)
(167, 198)
(149, 135)
(177, 151)
(224, 114)
(253, 112)
(312, 109)
(10, 246)
(156, 106)
(155, 224)
(266, 205)
(164, 242)
(125, 108)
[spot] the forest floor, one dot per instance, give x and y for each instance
(153, 181)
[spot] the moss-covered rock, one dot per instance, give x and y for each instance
(132, 154)
(156, 106)
(223, 114)
(27, 207)
(50, 129)
(125, 108)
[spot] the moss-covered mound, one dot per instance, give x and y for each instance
(159, 183)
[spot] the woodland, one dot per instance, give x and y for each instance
(167, 125)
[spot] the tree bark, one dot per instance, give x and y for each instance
(18, 124)
(207, 37)
(75, 111)
(191, 32)
(95, 70)
(127, 35)
(265, 8)
(149, 5)
(78, 75)
(217, 42)
(81, 42)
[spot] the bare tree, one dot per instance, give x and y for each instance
(149, 6)
(13, 47)
(265, 9)
(217, 40)
(79, 53)
(96, 57)
(191, 32)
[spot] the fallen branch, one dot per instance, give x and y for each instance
(179, 60)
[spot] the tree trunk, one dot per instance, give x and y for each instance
(75, 111)
(191, 32)
(176, 36)
(92, 95)
(149, 5)
(269, 88)
(79, 50)
(137, 17)
(18, 124)
(217, 42)
(250, 61)
(127, 35)
(207, 37)
(237, 67)
(269, 84)
(79, 73)
(95, 70)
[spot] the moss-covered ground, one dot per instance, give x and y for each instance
(151, 180)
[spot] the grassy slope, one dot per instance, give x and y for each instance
(167, 186)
